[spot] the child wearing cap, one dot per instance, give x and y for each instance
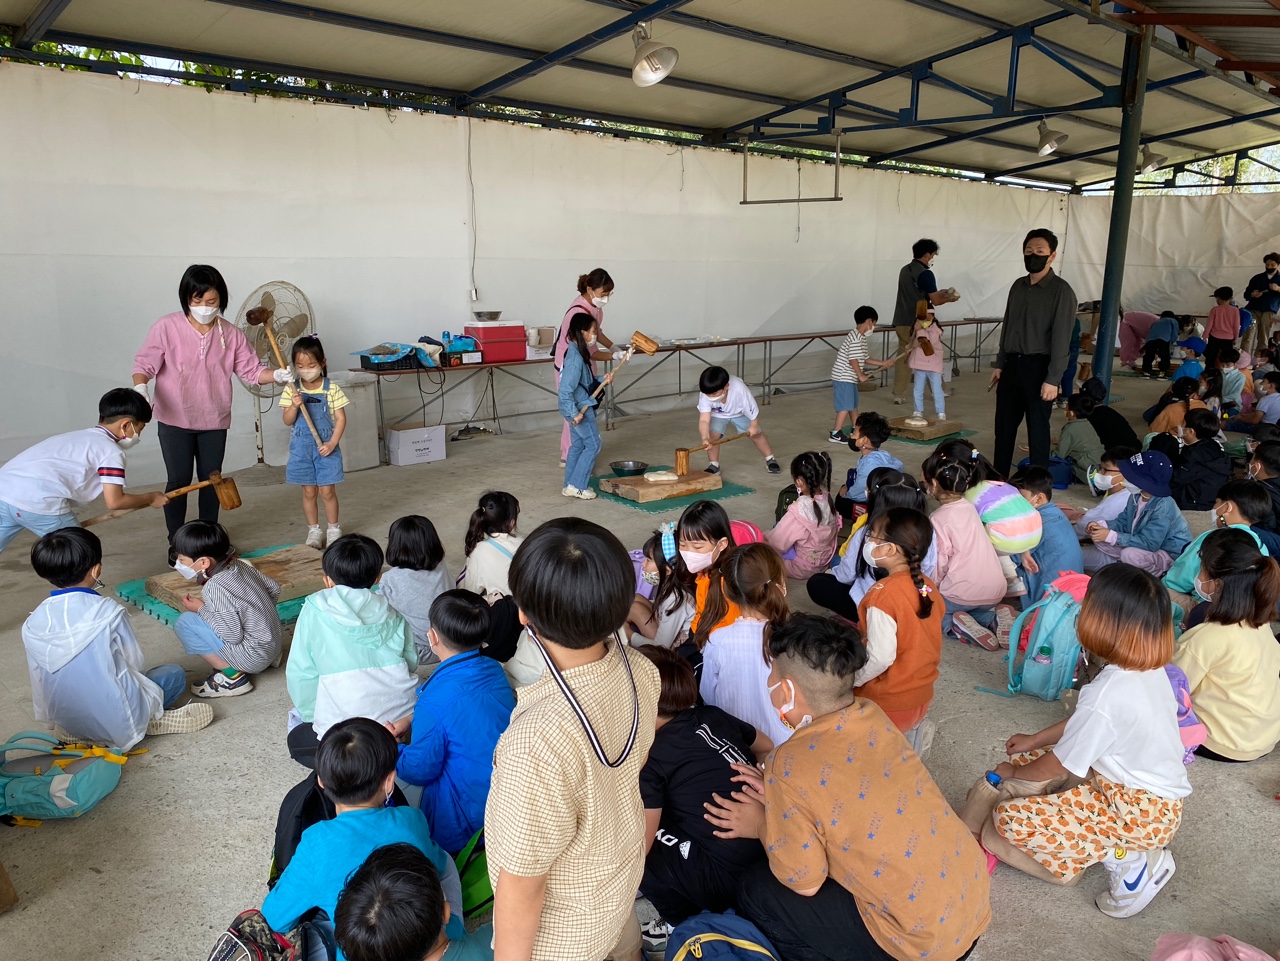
(1151, 531)
(1191, 366)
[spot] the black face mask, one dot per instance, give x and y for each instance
(1035, 262)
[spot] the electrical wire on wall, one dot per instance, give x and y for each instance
(798, 176)
(471, 196)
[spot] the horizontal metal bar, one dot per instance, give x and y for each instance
(793, 200)
(1245, 20)
(1251, 66)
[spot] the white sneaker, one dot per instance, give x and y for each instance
(1005, 616)
(332, 534)
(586, 494)
(1136, 878)
(570, 491)
(1017, 588)
(970, 630)
(191, 717)
(315, 538)
(899, 401)
(563, 462)
(916, 419)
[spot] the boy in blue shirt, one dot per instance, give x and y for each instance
(1160, 339)
(393, 909)
(462, 710)
(870, 430)
(1059, 549)
(356, 767)
(1191, 365)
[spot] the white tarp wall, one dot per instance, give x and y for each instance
(110, 188)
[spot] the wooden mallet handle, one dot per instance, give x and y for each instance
(297, 384)
(112, 515)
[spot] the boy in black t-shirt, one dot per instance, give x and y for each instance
(688, 868)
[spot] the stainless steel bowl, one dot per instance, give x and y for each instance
(486, 314)
(629, 468)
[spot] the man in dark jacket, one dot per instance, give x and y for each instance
(1263, 293)
(1203, 466)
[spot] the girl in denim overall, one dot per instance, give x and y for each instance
(318, 469)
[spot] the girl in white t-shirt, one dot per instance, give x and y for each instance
(1122, 741)
(490, 544)
(735, 671)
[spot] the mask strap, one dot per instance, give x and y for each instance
(582, 714)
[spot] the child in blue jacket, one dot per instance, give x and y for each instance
(578, 408)
(1059, 549)
(463, 708)
(1151, 531)
(870, 430)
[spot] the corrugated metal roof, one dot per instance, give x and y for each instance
(742, 61)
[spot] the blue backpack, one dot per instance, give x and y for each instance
(54, 781)
(1048, 667)
(718, 937)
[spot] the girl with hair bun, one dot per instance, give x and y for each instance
(807, 534)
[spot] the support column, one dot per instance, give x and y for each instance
(1133, 81)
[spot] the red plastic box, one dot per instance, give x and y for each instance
(501, 342)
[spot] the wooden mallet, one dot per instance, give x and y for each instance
(638, 342)
(261, 317)
(682, 453)
(224, 487)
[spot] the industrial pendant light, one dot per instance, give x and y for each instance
(653, 61)
(1150, 161)
(1050, 140)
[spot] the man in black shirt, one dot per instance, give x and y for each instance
(915, 283)
(1263, 293)
(1035, 342)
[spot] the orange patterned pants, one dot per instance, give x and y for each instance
(1070, 831)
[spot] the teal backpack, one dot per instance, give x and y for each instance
(1048, 666)
(53, 781)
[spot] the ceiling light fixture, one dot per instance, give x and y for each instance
(653, 61)
(1150, 161)
(1050, 140)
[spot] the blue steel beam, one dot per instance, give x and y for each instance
(38, 22)
(619, 27)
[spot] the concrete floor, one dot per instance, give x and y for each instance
(165, 863)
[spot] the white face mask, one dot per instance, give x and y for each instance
(1105, 482)
(868, 546)
(650, 577)
(128, 443)
(310, 374)
(1200, 591)
(599, 301)
(189, 573)
(1253, 471)
(204, 315)
(789, 707)
(696, 561)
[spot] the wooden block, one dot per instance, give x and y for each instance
(642, 491)
(936, 429)
(8, 895)
(296, 569)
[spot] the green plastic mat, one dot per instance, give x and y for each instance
(135, 593)
(934, 442)
(672, 503)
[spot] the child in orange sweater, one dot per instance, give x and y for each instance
(903, 625)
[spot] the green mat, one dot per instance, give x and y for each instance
(672, 503)
(135, 593)
(933, 442)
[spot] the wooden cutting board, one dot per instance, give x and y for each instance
(642, 491)
(296, 569)
(932, 431)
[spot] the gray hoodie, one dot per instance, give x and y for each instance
(411, 594)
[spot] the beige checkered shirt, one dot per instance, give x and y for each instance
(554, 809)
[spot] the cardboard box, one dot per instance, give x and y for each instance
(459, 358)
(416, 445)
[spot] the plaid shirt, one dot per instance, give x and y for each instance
(554, 809)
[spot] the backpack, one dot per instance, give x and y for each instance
(1048, 665)
(56, 781)
(1190, 727)
(250, 938)
(786, 497)
(718, 937)
(473, 870)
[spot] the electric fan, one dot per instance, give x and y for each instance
(276, 309)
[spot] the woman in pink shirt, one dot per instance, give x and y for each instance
(1133, 334)
(190, 355)
(593, 293)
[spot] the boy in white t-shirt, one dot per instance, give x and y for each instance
(39, 487)
(725, 400)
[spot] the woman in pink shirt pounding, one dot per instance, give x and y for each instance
(593, 293)
(191, 355)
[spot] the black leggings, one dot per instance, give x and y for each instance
(181, 449)
(1204, 752)
(826, 591)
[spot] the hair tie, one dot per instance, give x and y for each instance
(925, 590)
(973, 454)
(668, 532)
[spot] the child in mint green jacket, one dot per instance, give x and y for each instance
(352, 654)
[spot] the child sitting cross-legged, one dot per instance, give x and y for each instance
(393, 908)
(1203, 466)
(901, 616)
(866, 859)
(1079, 441)
(234, 624)
(807, 533)
(462, 710)
(1122, 742)
(417, 577)
(870, 431)
(1059, 549)
(1150, 532)
(564, 826)
(85, 663)
(352, 654)
(356, 767)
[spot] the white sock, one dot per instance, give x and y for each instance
(314, 528)
(714, 463)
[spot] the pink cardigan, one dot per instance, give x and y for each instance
(814, 543)
(968, 572)
(191, 373)
(580, 305)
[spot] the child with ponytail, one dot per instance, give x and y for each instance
(1231, 660)
(703, 534)
(902, 624)
(807, 534)
(490, 544)
(735, 671)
